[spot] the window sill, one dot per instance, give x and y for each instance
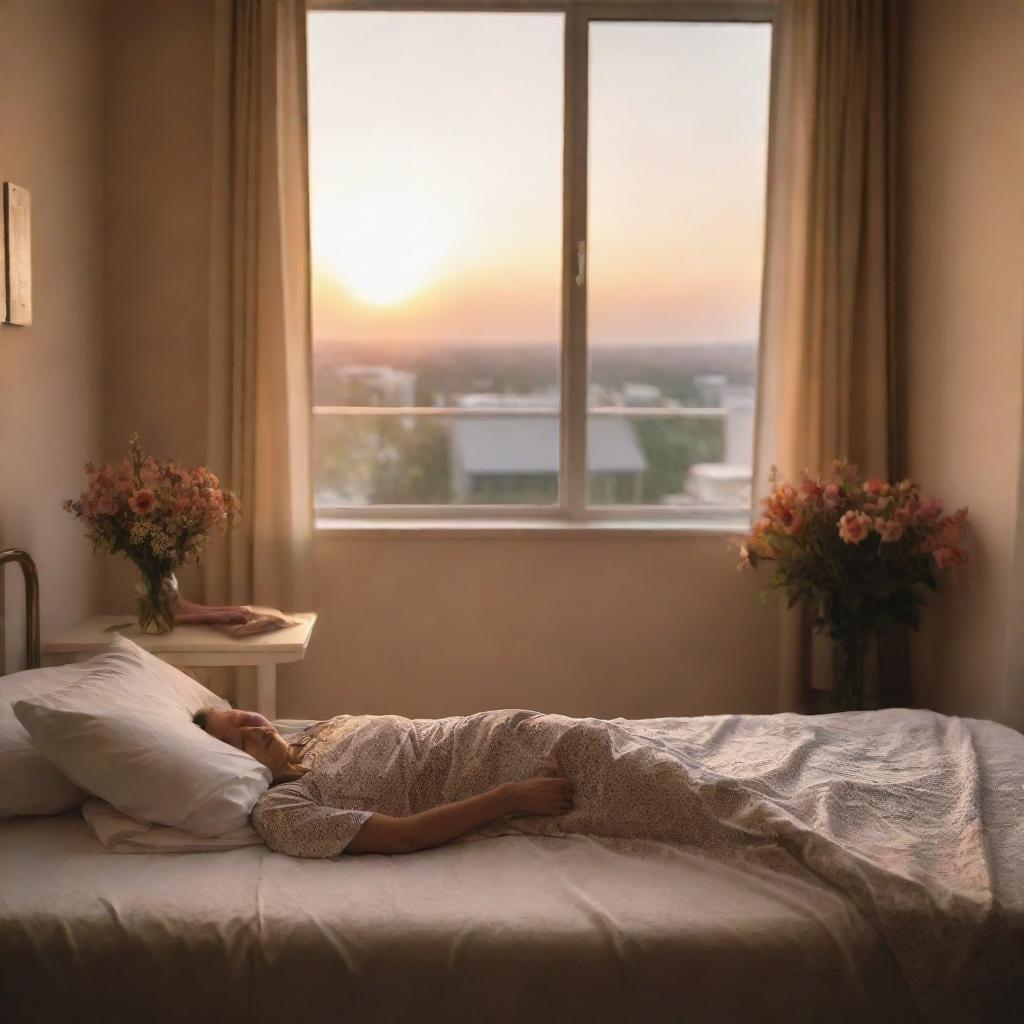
(533, 528)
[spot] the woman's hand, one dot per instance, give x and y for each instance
(539, 796)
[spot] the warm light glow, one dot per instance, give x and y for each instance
(436, 178)
(381, 246)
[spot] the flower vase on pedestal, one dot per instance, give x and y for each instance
(859, 555)
(157, 513)
(156, 600)
(849, 652)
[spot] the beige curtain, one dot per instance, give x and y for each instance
(827, 357)
(260, 374)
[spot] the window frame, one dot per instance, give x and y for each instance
(571, 510)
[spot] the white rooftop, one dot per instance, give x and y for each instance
(493, 400)
(722, 472)
(529, 444)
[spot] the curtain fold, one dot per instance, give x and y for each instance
(260, 364)
(827, 345)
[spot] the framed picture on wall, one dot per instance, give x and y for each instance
(3, 257)
(16, 264)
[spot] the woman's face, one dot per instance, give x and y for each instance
(227, 724)
(267, 745)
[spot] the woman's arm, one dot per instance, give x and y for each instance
(382, 833)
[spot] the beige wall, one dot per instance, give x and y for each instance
(157, 153)
(962, 295)
(600, 626)
(50, 399)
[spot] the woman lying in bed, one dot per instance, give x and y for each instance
(384, 784)
(914, 816)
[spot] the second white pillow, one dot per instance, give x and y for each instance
(123, 732)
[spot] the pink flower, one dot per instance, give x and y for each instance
(929, 510)
(833, 495)
(794, 525)
(745, 560)
(946, 534)
(106, 506)
(142, 502)
(811, 492)
(875, 486)
(946, 558)
(890, 530)
(854, 527)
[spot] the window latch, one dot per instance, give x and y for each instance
(581, 262)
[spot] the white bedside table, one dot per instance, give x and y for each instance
(198, 647)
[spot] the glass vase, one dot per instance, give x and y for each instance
(156, 601)
(850, 671)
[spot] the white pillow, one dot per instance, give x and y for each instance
(121, 834)
(191, 693)
(124, 733)
(29, 784)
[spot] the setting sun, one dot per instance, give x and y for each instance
(383, 247)
(436, 145)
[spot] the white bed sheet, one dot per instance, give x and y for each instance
(512, 928)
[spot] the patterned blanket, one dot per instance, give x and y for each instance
(916, 817)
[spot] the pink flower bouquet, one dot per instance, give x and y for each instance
(158, 514)
(857, 552)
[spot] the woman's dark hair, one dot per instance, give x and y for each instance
(199, 718)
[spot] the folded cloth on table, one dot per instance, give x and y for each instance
(120, 833)
(234, 619)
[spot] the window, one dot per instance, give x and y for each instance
(537, 243)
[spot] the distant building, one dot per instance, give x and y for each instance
(727, 482)
(738, 403)
(495, 459)
(375, 385)
(709, 388)
(548, 399)
(718, 483)
(641, 395)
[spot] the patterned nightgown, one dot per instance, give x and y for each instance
(625, 781)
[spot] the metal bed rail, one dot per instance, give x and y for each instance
(31, 577)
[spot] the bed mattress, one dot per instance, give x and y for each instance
(513, 928)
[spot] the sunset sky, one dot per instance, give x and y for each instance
(436, 177)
